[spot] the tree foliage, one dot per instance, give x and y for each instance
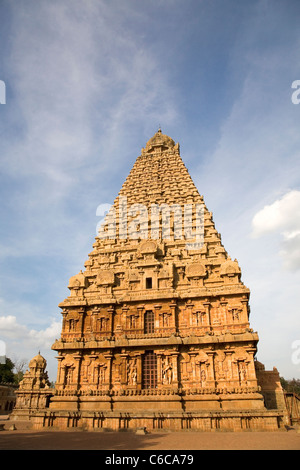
(12, 372)
(6, 372)
(291, 385)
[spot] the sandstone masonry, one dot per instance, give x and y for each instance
(155, 334)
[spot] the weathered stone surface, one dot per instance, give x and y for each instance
(156, 334)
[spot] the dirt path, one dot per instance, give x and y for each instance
(72, 440)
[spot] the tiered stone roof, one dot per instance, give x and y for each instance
(117, 268)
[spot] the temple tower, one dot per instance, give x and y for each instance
(156, 329)
(34, 391)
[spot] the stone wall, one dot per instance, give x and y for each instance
(7, 398)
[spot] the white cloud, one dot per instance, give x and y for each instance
(282, 217)
(46, 337)
(22, 343)
(290, 251)
(12, 330)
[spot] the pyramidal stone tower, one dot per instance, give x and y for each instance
(155, 332)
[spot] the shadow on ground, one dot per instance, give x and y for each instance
(25, 438)
(58, 440)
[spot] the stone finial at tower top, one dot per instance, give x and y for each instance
(37, 362)
(159, 140)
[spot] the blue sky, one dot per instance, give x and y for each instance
(87, 84)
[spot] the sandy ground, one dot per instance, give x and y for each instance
(23, 438)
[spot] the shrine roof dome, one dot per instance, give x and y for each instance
(38, 360)
(159, 140)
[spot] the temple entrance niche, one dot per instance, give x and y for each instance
(196, 369)
(202, 365)
(68, 375)
(100, 372)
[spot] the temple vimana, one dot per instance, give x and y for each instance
(155, 332)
